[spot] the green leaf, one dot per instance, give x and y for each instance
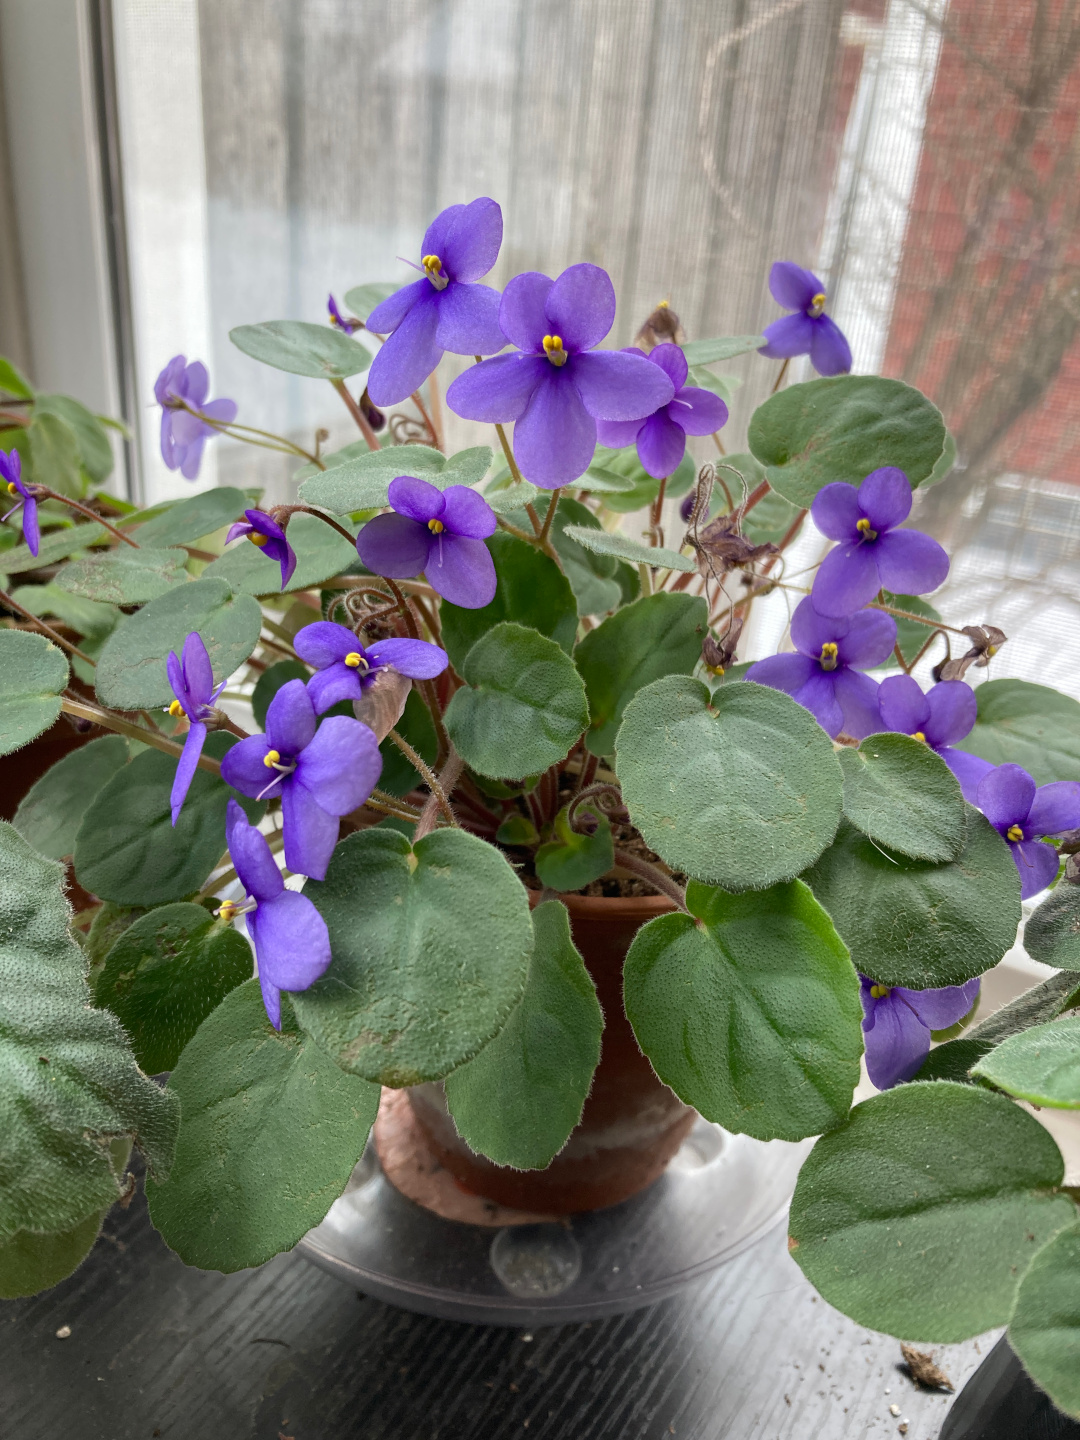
(901, 793)
(416, 726)
(623, 548)
(57, 545)
(522, 705)
(319, 351)
(645, 487)
(356, 479)
(916, 923)
(749, 1009)
(320, 554)
(271, 1130)
(505, 500)
(14, 382)
(739, 789)
(1045, 1001)
(1028, 725)
(31, 1262)
(431, 949)
(707, 352)
(518, 1101)
(68, 1081)
(1041, 1065)
(532, 591)
(362, 299)
(599, 480)
(812, 434)
(165, 974)
(658, 635)
(592, 576)
(723, 385)
(190, 520)
(270, 682)
(127, 848)
(571, 860)
(1052, 932)
(54, 455)
(517, 830)
(50, 813)
(919, 1215)
(910, 635)
(945, 462)
(771, 518)
(33, 672)
(92, 443)
(131, 671)
(1044, 1329)
(88, 617)
(125, 576)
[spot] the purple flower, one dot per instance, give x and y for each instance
(320, 774)
(268, 535)
(346, 668)
(336, 317)
(941, 717)
(823, 673)
(439, 532)
(661, 437)
(558, 385)
(183, 434)
(192, 682)
(1020, 814)
(11, 471)
(809, 331)
(872, 554)
(446, 310)
(292, 943)
(897, 1023)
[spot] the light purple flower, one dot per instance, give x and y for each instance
(11, 471)
(319, 774)
(809, 331)
(292, 943)
(661, 437)
(557, 385)
(183, 435)
(1020, 813)
(446, 310)
(346, 668)
(872, 554)
(265, 533)
(941, 717)
(897, 1023)
(336, 317)
(439, 532)
(192, 681)
(824, 672)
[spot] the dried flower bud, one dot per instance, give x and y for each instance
(986, 641)
(372, 414)
(722, 546)
(662, 326)
(718, 657)
(1072, 869)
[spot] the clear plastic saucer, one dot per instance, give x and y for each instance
(720, 1193)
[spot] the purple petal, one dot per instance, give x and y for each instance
(394, 545)
(192, 458)
(836, 511)
(251, 855)
(661, 445)
(910, 563)
(953, 711)
(617, 434)
(1055, 809)
(31, 529)
(271, 995)
(793, 335)
(581, 308)
(672, 361)
(177, 682)
(497, 390)
(196, 384)
(416, 658)
(1037, 864)
(616, 386)
(467, 513)
(857, 697)
(310, 832)
(847, 579)
(264, 524)
(466, 238)
(788, 672)
(462, 571)
(409, 355)
(242, 766)
(1006, 795)
(885, 498)
(968, 769)
(904, 708)
(336, 682)
(555, 438)
(469, 320)
(830, 353)
(167, 380)
(818, 696)
(186, 767)
(197, 669)
(811, 630)
(292, 943)
(896, 1040)
(417, 499)
(168, 441)
(324, 643)
(238, 528)
(793, 287)
(938, 1009)
(698, 411)
(223, 411)
(389, 314)
(187, 429)
(522, 317)
(341, 766)
(869, 641)
(290, 719)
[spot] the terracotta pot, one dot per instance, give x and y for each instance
(632, 1123)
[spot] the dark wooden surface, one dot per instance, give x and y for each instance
(288, 1351)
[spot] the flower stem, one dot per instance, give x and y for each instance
(270, 441)
(448, 778)
(550, 516)
(45, 493)
(108, 721)
(652, 876)
(6, 599)
(357, 414)
(430, 779)
(507, 452)
(418, 402)
(436, 408)
(780, 378)
(288, 510)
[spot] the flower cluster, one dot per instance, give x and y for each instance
(181, 390)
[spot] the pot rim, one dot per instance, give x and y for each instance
(643, 906)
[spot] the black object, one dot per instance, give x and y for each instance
(999, 1402)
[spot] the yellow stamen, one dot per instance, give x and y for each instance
(227, 909)
(176, 708)
(717, 670)
(817, 305)
(991, 651)
(1014, 833)
(863, 526)
(435, 526)
(433, 265)
(880, 992)
(662, 304)
(257, 539)
(553, 349)
(12, 488)
(828, 655)
(918, 735)
(354, 660)
(271, 758)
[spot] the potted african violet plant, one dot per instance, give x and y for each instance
(509, 762)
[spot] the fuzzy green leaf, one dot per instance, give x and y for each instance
(54, 455)
(1052, 932)
(31, 1262)
(318, 351)
(125, 576)
(624, 548)
(362, 299)
(320, 554)
(356, 479)
(571, 860)
(1041, 1065)
(1027, 725)
(33, 672)
(55, 545)
(592, 576)
(726, 347)
(1044, 1329)
(14, 382)
(190, 520)
(51, 812)
(89, 617)
(91, 440)
(1045, 1001)
(901, 793)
